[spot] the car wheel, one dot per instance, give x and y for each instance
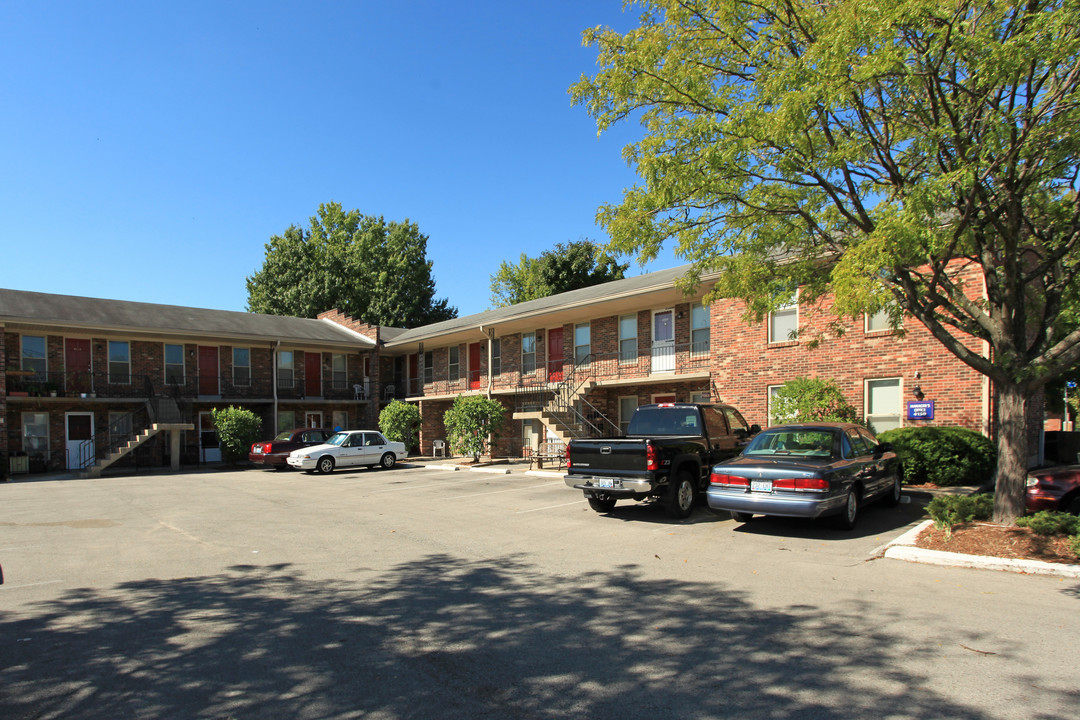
(325, 464)
(388, 460)
(742, 517)
(893, 498)
(281, 467)
(680, 500)
(601, 504)
(849, 515)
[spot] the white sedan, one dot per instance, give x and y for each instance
(348, 449)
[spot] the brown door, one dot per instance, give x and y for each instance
(555, 355)
(474, 365)
(77, 365)
(208, 370)
(313, 374)
(414, 374)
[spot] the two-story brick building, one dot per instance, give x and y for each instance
(570, 364)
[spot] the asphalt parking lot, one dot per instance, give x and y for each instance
(431, 593)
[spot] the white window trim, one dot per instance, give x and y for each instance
(794, 305)
(235, 365)
(707, 327)
(165, 362)
(770, 390)
(453, 375)
(109, 361)
(22, 354)
(867, 417)
(588, 346)
(523, 354)
(632, 360)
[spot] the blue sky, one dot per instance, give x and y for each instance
(152, 149)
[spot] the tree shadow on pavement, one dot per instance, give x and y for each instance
(450, 638)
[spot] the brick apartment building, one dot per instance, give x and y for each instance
(570, 364)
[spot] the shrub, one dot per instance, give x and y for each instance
(1076, 544)
(952, 510)
(399, 422)
(806, 399)
(237, 429)
(1051, 522)
(469, 422)
(943, 455)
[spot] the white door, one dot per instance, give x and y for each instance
(79, 439)
(209, 447)
(663, 341)
(313, 419)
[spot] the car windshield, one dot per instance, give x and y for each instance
(337, 439)
(283, 436)
(796, 441)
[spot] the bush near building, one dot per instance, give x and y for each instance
(400, 422)
(946, 456)
(237, 429)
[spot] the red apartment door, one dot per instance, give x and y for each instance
(414, 374)
(313, 374)
(208, 370)
(555, 355)
(474, 365)
(77, 365)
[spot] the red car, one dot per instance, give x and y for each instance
(272, 453)
(1055, 488)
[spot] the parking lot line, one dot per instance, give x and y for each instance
(549, 507)
(496, 492)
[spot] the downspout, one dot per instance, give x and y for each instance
(273, 382)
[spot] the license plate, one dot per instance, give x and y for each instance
(761, 486)
(607, 483)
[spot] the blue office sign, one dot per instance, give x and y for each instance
(921, 410)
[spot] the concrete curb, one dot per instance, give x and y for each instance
(903, 548)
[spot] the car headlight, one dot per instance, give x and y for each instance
(1031, 481)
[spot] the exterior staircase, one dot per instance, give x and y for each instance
(562, 407)
(165, 416)
(559, 416)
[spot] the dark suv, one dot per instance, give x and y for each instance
(272, 453)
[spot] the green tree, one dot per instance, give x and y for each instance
(371, 269)
(400, 421)
(565, 267)
(806, 399)
(868, 150)
(237, 429)
(469, 422)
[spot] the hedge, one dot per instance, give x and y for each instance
(943, 455)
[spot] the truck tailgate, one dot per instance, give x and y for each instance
(615, 457)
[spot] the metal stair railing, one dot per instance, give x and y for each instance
(560, 403)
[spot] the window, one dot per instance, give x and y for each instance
(528, 352)
(699, 330)
(339, 368)
(879, 320)
(285, 369)
(773, 390)
(784, 323)
(429, 367)
(119, 362)
(119, 429)
(241, 366)
(627, 405)
(35, 434)
(454, 366)
(496, 358)
(582, 342)
(700, 396)
(341, 420)
(883, 404)
(286, 420)
(628, 339)
(174, 364)
(34, 356)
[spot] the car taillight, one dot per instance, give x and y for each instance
(812, 484)
(722, 479)
(651, 462)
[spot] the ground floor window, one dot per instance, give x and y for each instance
(341, 420)
(771, 400)
(35, 434)
(627, 405)
(286, 420)
(884, 406)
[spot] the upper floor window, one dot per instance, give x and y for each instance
(528, 352)
(174, 364)
(879, 320)
(454, 365)
(582, 342)
(496, 357)
(699, 329)
(339, 368)
(285, 369)
(119, 362)
(241, 366)
(628, 339)
(34, 357)
(429, 367)
(784, 322)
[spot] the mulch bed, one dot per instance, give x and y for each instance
(998, 541)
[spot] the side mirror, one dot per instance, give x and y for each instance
(755, 429)
(883, 448)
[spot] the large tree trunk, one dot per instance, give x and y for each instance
(1012, 442)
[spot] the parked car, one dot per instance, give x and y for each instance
(352, 448)
(809, 470)
(273, 453)
(1056, 488)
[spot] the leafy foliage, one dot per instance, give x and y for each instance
(469, 421)
(907, 154)
(806, 399)
(950, 510)
(371, 269)
(1051, 522)
(565, 267)
(400, 421)
(237, 429)
(946, 456)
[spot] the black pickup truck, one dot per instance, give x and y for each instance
(668, 452)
